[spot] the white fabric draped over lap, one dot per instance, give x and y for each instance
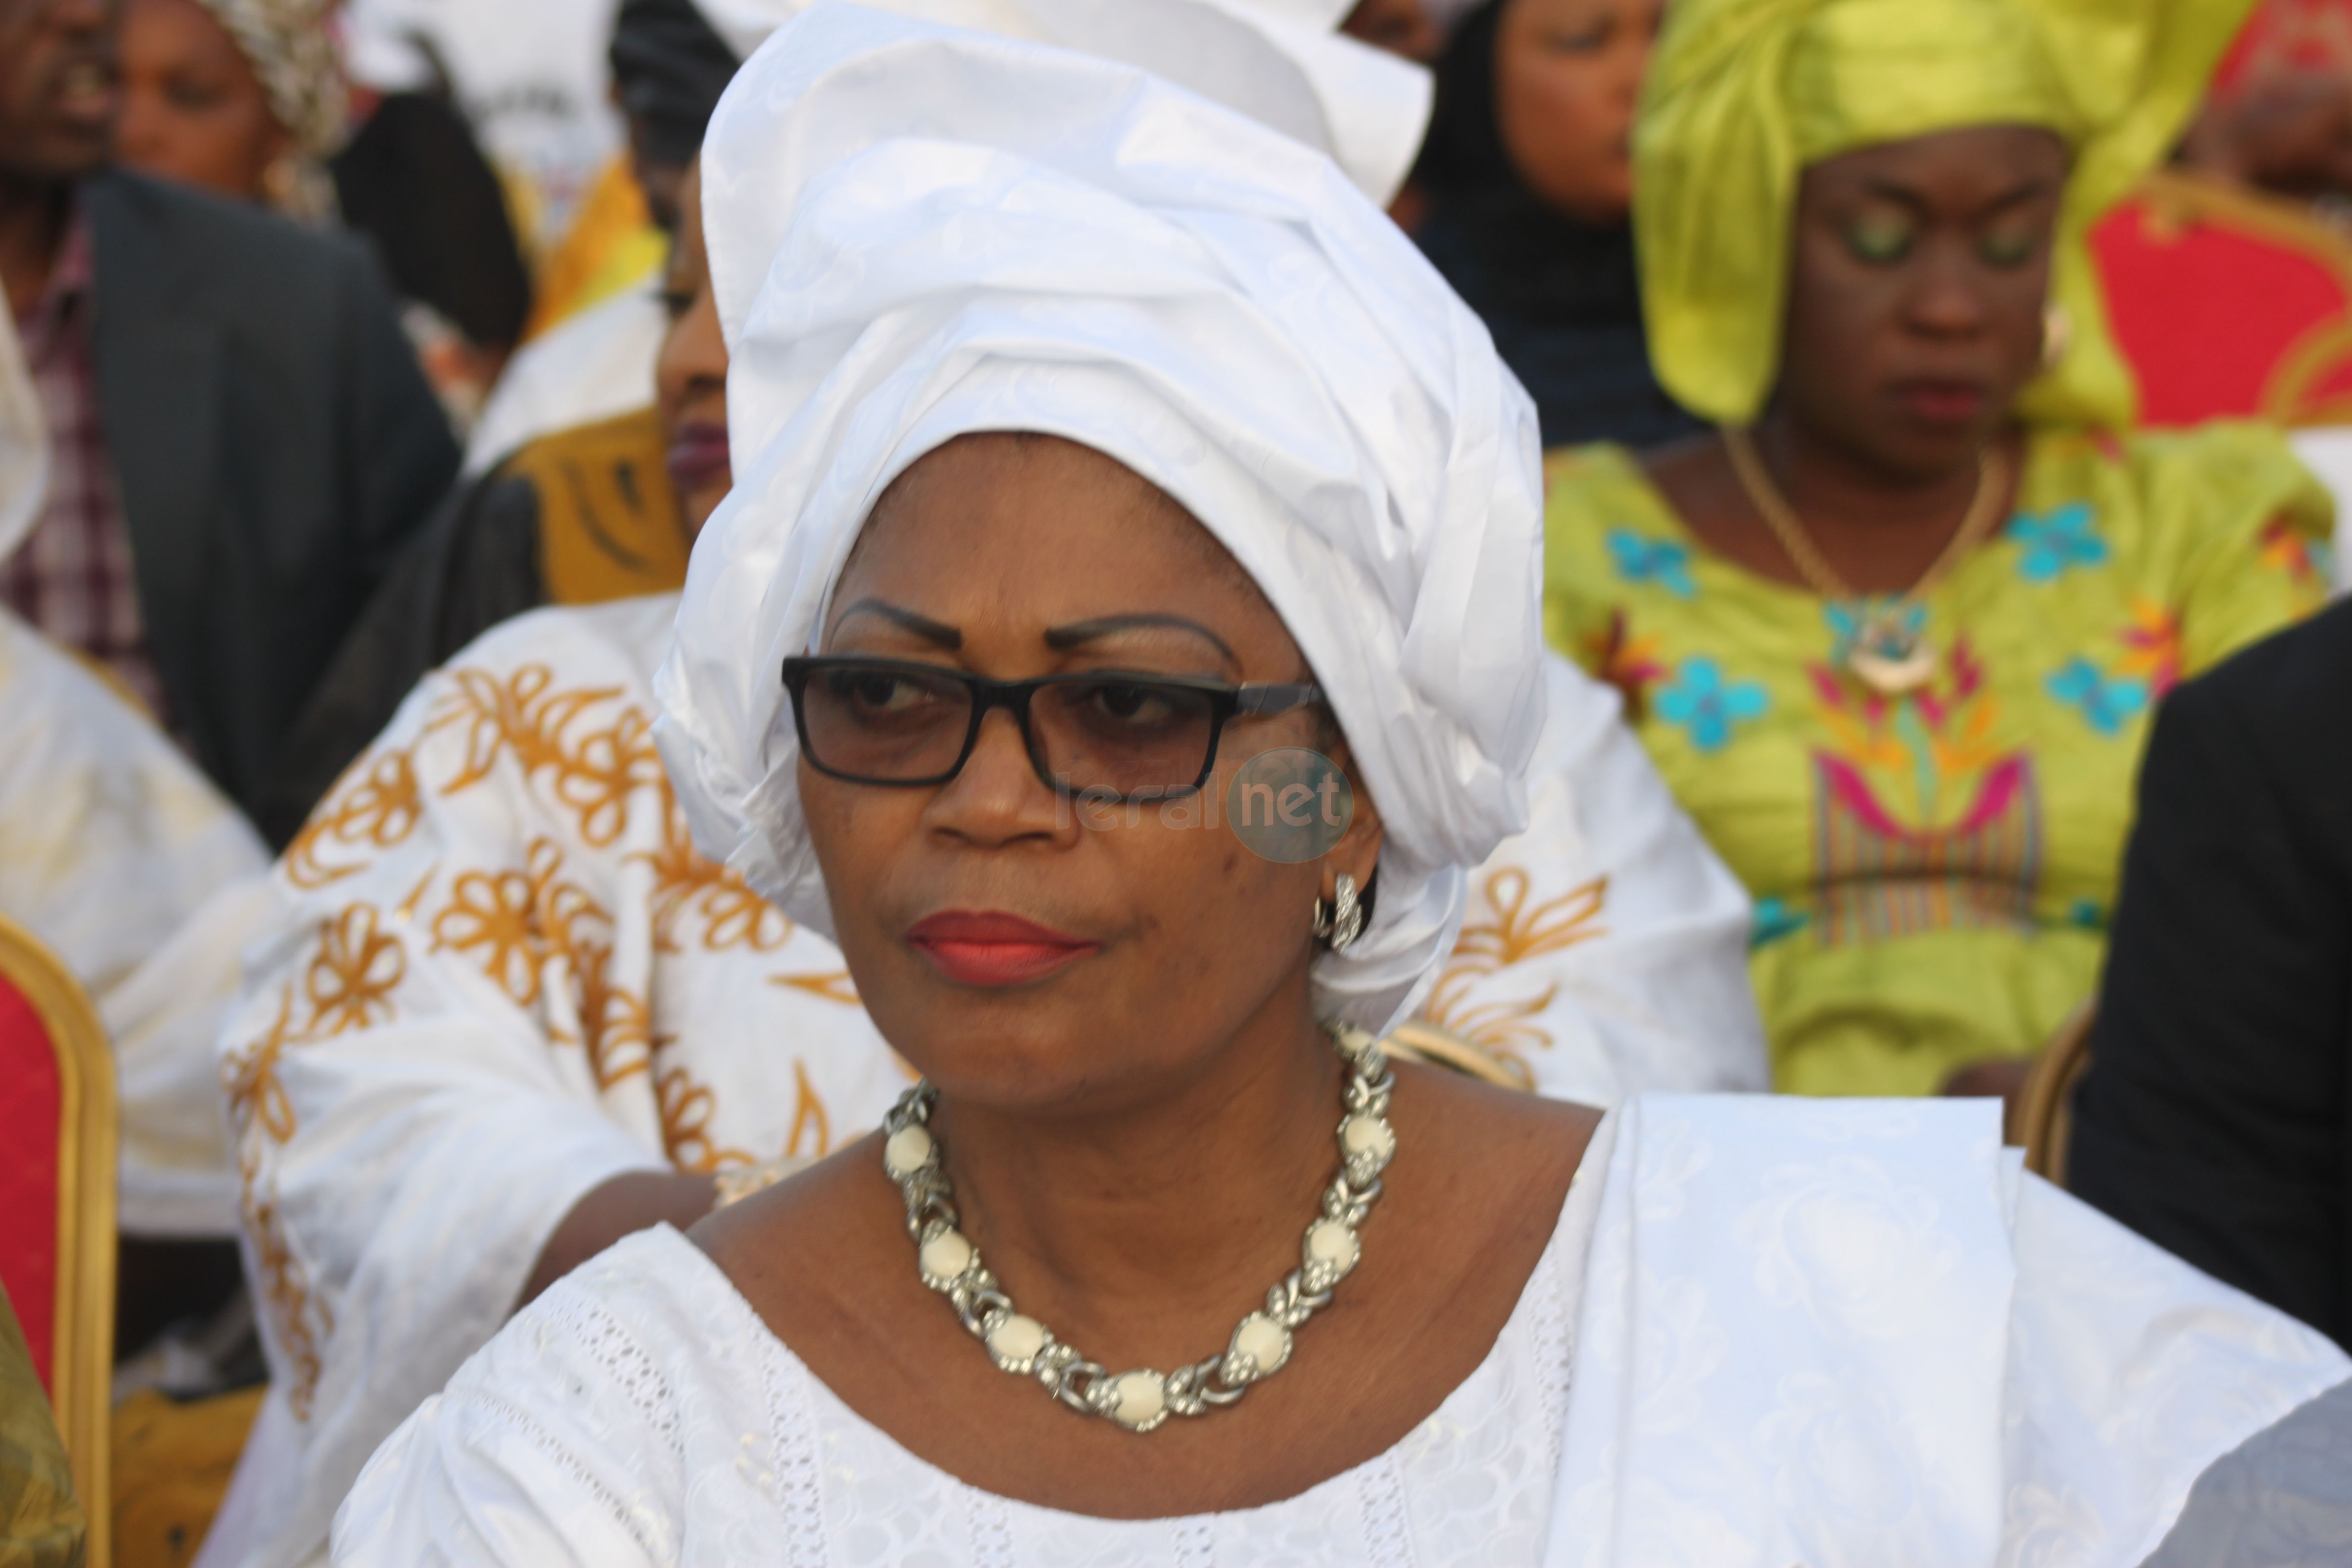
(906, 250)
(1855, 1333)
(1767, 1332)
(125, 861)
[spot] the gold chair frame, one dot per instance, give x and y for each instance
(2045, 1106)
(81, 1346)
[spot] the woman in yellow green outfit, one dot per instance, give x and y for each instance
(1893, 632)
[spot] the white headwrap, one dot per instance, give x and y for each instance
(917, 233)
(1278, 61)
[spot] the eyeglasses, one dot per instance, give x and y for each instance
(1104, 734)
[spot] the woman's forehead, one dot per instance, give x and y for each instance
(1979, 158)
(1033, 531)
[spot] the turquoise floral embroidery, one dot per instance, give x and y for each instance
(2053, 542)
(2087, 915)
(1640, 559)
(1703, 703)
(2109, 705)
(1774, 919)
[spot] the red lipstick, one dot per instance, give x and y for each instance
(994, 948)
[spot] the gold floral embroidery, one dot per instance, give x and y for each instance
(732, 915)
(406, 908)
(511, 921)
(1501, 1029)
(811, 1131)
(353, 973)
(1517, 933)
(616, 1024)
(836, 986)
(377, 803)
(1505, 1028)
(302, 1321)
(249, 1078)
(687, 1110)
(489, 917)
(594, 773)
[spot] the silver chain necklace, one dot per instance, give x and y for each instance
(1143, 1399)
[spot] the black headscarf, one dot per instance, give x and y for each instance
(1562, 297)
(671, 67)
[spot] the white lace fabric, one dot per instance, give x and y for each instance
(1841, 1333)
(641, 1413)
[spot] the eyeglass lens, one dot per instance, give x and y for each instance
(1127, 736)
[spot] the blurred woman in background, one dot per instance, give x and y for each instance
(247, 98)
(243, 96)
(1529, 179)
(1895, 630)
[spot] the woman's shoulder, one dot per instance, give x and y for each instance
(570, 1436)
(1584, 483)
(652, 1303)
(2226, 478)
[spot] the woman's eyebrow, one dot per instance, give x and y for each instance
(1082, 632)
(930, 631)
(2018, 194)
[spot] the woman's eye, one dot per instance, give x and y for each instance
(193, 97)
(877, 694)
(1589, 40)
(1879, 241)
(2009, 248)
(1130, 704)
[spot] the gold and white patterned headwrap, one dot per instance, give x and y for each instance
(288, 45)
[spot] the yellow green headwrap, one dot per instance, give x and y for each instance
(1744, 94)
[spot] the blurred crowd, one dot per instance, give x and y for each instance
(1942, 484)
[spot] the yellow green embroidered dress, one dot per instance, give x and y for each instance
(1933, 874)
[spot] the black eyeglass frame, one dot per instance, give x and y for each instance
(1226, 703)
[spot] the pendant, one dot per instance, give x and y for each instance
(1890, 656)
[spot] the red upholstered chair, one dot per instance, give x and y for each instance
(2229, 303)
(57, 1202)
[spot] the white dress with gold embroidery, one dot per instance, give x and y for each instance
(507, 977)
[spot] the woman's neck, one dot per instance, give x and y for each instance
(1880, 529)
(1130, 1232)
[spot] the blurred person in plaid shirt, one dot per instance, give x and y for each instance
(239, 438)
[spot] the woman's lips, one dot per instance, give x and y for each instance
(994, 949)
(1942, 402)
(699, 457)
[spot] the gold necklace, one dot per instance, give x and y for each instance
(1887, 649)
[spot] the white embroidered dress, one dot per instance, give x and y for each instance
(1764, 1332)
(503, 975)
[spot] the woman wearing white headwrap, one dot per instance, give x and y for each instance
(1138, 422)
(489, 914)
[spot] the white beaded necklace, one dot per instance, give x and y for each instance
(1141, 1400)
